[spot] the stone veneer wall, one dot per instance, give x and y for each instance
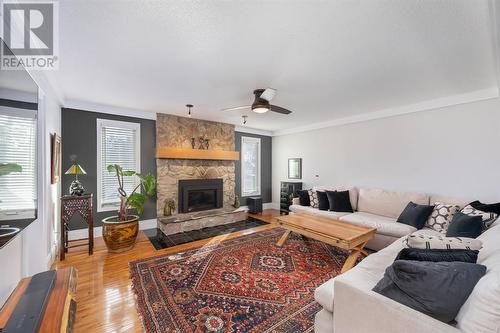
(174, 131)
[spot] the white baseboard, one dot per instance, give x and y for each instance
(83, 233)
(267, 205)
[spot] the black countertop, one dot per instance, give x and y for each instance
(21, 224)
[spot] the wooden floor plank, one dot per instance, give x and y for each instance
(105, 300)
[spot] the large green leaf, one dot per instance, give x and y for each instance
(128, 173)
(137, 201)
(7, 168)
(149, 185)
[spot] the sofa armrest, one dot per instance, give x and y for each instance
(357, 310)
(295, 201)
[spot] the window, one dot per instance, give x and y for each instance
(250, 166)
(118, 142)
(18, 148)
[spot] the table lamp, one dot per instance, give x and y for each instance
(76, 188)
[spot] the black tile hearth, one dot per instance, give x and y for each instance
(162, 241)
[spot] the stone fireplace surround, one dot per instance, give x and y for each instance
(175, 131)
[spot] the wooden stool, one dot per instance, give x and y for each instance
(71, 205)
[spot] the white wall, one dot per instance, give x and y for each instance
(451, 151)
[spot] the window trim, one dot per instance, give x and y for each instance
(251, 139)
(120, 124)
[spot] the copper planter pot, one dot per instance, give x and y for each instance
(120, 236)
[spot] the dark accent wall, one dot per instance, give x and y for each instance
(266, 151)
(79, 137)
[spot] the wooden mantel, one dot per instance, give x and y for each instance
(197, 154)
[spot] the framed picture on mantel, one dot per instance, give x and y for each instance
(294, 168)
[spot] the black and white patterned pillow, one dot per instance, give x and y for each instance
(488, 218)
(441, 216)
(422, 241)
(313, 199)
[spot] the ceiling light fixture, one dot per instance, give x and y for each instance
(260, 109)
(244, 119)
(189, 106)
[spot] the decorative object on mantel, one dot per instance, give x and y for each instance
(197, 154)
(193, 143)
(120, 232)
(76, 188)
(55, 158)
(237, 203)
(189, 106)
(169, 207)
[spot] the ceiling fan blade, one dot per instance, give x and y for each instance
(238, 108)
(268, 94)
(279, 109)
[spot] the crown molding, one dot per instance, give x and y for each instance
(255, 131)
(109, 109)
(474, 96)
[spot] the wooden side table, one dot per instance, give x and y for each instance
(71, 205)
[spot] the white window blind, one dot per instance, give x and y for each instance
(118, 142)
(18, 145)
(250, 166)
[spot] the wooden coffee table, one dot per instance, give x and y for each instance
(341, 234)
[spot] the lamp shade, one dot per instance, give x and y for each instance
(75, 169)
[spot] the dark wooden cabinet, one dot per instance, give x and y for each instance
(287, 193)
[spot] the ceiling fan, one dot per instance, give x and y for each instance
(261, 103)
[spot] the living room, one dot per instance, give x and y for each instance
(309, 166)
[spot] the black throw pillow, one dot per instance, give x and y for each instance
(323, 203)
(463, 225)
(415, 215)
(438, 255)
(304, 199)
(438, 289)
(488, 208)
(339, 201)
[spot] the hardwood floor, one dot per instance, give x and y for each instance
(105, 300)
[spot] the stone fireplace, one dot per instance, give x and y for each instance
(200, 194)
(200, 188)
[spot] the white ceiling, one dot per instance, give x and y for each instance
(328, 59)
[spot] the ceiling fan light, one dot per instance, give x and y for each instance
(260, 109)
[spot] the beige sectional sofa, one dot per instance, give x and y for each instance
(376, 208)
(350, 305)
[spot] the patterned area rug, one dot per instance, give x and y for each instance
(247, 284)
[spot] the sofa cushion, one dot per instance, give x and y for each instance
(384, 225)
(481, 311)
(387, 203)
(313, 198)
(437, 255)
(324, 295)
(415, 215)
(315, 211)
(464, 225)
(438, 289)
(490, 208)
(353, 192)
(488, 218)
(491, 246)
(304, 199)
(422, 241)
(441, 216)
(339, 201)
(323, 203)
(460, 202)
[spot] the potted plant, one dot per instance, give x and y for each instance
(120, 232)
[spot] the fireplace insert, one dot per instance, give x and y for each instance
(200, 194)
